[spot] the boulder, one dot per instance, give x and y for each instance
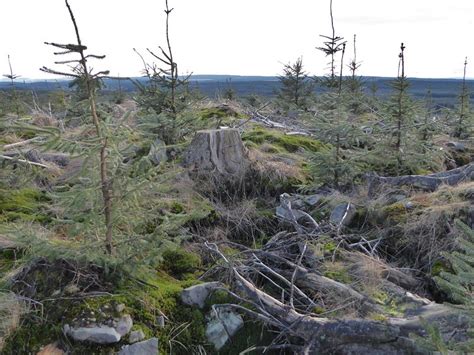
(343, 214)
(196, 295)
(217, 150)
(98, 334)
(222, 326)
(147, 347)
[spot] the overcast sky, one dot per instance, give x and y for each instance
(246, 37)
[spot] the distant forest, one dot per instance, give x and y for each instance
(444, 92)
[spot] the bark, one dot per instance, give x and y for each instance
(219, 150)
(429, 182)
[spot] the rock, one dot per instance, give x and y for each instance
(217, 150)
(157, 154)
(458, 147)
(313, 200)
(223, 326)
(51, 349)
(120, 308)
(124, 325)
(147, 347)
(196, 295)
(286, 214)
(98, 334)
(160, 320)
(339, 216)
(136, 336)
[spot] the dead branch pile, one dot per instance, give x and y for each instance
(282, 285)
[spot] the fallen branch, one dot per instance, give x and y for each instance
(24, 161)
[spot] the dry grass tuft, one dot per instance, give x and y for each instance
(10, 312)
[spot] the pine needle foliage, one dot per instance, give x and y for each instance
(459, 284)
(296, 86)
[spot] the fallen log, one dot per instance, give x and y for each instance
(429, 182)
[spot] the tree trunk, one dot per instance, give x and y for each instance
(219, 150)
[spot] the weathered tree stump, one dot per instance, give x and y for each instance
(217, 150)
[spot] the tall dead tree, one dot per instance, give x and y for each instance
(332, 46)
(463, 106)
(12, 77)
(82, 71)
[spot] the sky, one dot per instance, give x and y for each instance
(243, 37)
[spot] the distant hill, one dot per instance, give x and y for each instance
(444, 91)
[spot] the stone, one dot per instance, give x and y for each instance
(157, 153)
(120, 308)
(313, 200)
(339, 216)
(223, 326)
(217, 151)
(458, 147)
(124, 325)
(160, 320)
(97, 334)
(196, 295)
(136, 336)
(147, 347)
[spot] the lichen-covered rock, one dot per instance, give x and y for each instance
(136, 336)
(99, 334)
(196, 295)
(217, 150)
(147, 347)
(222, 326)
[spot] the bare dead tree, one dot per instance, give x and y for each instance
(82, 71)
(12, 76)
(332, 46)
(463, 105)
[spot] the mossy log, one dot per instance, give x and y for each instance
(429, 182)
(217, 150)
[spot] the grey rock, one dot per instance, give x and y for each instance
(136, 336)
(287, 214)
(223, 326)
(459, 147)
(160, 320)
(157, 153)
(98, 334)
(147, 347)
(339, 216)
(120, 308)
(313, 200)
(124, 325)
(196, 295)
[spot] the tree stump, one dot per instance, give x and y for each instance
(217, 150)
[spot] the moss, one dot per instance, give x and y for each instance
(395, 212)
(337, 271)
(180, 262)
(278, 139)
(25, 204)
